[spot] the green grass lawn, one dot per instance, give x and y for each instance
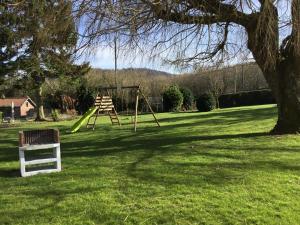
(198, 168)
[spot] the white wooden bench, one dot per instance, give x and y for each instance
(38, 140)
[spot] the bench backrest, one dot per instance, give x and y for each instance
(36, 137)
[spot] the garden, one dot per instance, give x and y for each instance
(149, 112)
(219, 167)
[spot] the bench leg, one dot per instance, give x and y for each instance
(56, 153)
(22, 163)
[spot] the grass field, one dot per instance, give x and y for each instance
(198, 168)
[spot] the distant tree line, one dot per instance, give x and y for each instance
(223, 84)
(215, 81)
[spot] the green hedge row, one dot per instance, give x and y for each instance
(246, 98)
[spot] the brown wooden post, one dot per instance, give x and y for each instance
(136, 108)
(21, 138)
(56, 136)
(150, 109)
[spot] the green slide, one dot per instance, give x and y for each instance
(83, 119)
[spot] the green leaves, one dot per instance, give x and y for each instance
(172, 99)
(39, 37)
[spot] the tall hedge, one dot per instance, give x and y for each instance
(188, 98)
(206, 102)
(172, 99)
(246, 98)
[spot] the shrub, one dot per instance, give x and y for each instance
(172, 99)
(246, 98)
(1, 117)
(188, 98)
(206, 102)
(55, 115)
(85, 98)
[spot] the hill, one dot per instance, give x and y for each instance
(130, 70)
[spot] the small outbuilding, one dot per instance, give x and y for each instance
(23, 107)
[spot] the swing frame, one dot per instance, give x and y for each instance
(139, 93)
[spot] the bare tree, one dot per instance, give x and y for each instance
(216, 85)
(189, 31)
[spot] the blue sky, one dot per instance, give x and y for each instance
(104, 58)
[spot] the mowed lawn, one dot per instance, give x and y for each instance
(198, 168)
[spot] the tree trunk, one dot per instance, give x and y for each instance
(281, 67)
(40, 116)
(288, 94)
(217, 101)
(288, 97)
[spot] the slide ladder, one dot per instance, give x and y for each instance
(104, 106)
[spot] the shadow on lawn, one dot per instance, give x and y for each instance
(200, 173)
(122, 144)
(154, 152)
(101, 148)
(152, 164)
(12, 173)
(125, 144)
(206, 120)
(151, 142)
(241, 114)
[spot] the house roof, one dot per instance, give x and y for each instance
(6, 102)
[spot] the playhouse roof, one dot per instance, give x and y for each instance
(6, 102)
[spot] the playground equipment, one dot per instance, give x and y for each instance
(103, 105)
(83, 119)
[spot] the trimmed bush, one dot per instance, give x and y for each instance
(55, 115)
(172, 99)
(188, 98)
(246, 99)
(206, 103)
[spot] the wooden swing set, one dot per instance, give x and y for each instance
(105, 106)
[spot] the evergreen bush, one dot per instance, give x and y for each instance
(172, 99)
(206, 102)
(188, 98)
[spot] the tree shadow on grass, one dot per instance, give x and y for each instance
(150, 140)
(149, 144)
(241, 115)
(153, 148)
(209, 167)
(10, 173)
(91, 148)
(9, 154)
(201, 173)
(203, 122)
(124, 144)
(47, 199)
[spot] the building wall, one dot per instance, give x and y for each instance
(26, 109)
